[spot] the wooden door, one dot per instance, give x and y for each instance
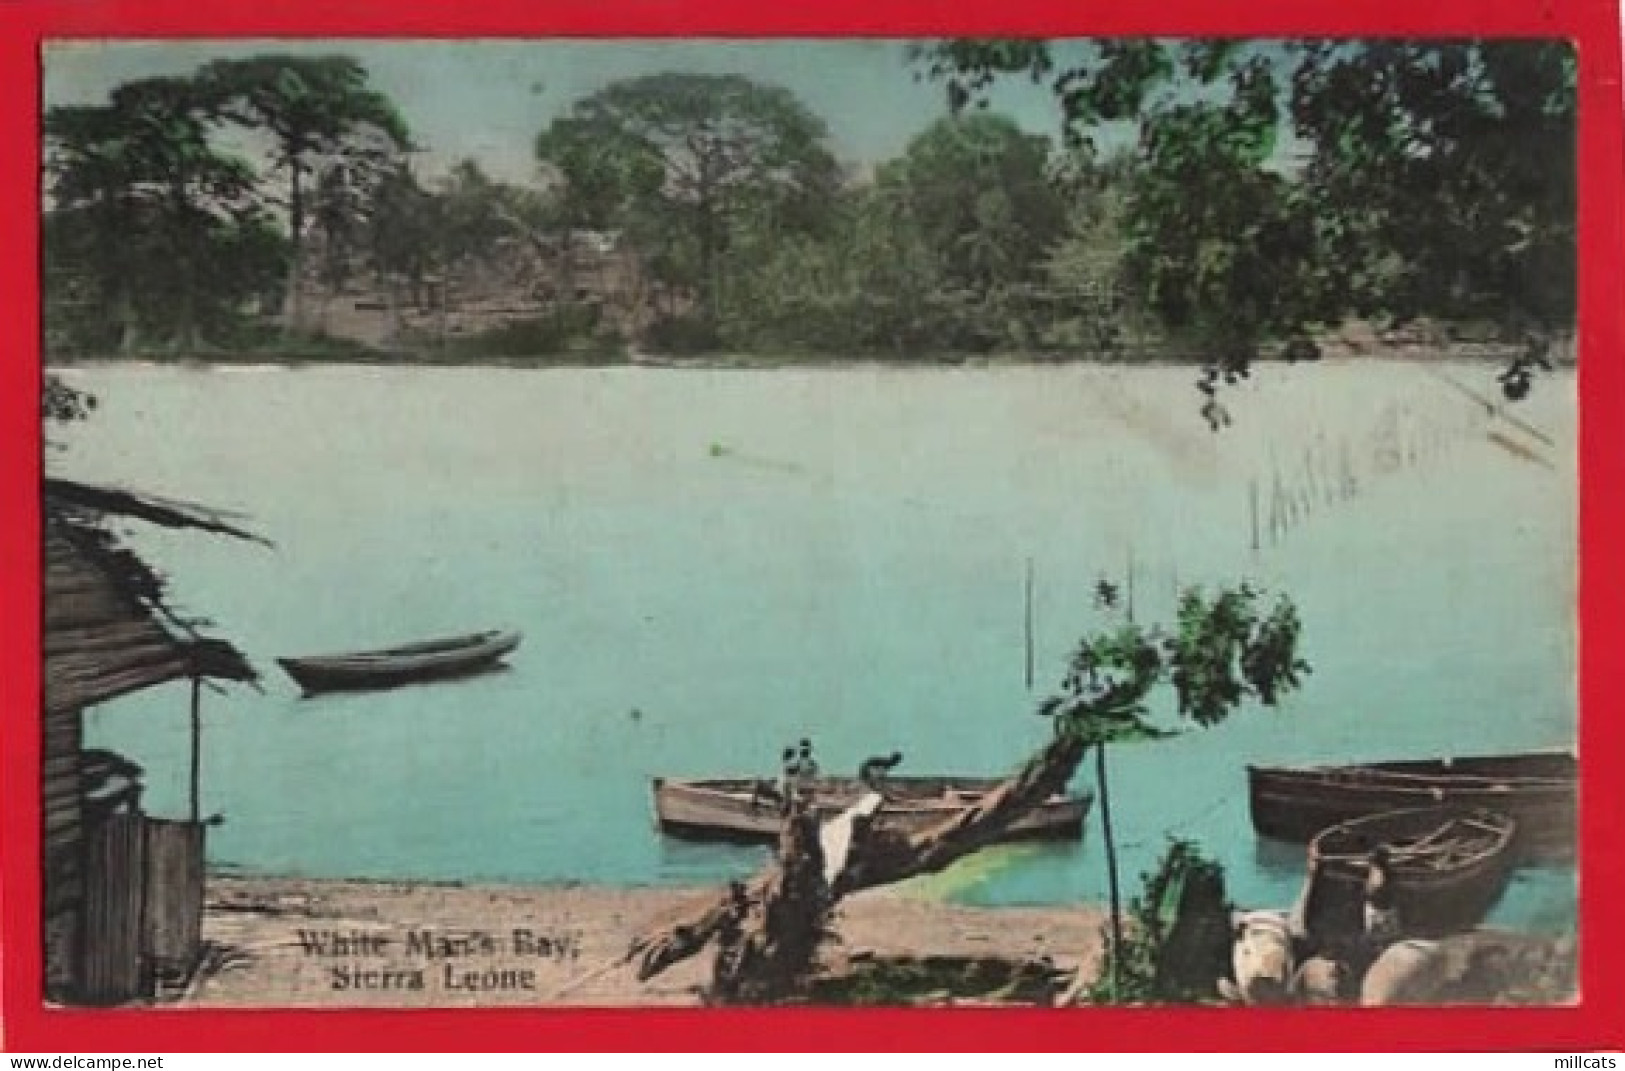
(174, 913)
(115, 883)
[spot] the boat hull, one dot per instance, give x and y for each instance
(436, 660)
(1436, 892)
(1537, 790)
(726, 810)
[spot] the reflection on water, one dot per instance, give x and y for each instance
(864, 589)
(1279, 857)
(684, 862)
(444, 680)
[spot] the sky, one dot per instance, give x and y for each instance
(489, 99)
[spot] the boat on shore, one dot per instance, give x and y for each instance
(454, 656)
(738, 809)
(1449, 866)
(1537, 789)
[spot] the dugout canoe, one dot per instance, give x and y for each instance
(747, 810)
(453, 656)
(1449, 866)
(1537, 789)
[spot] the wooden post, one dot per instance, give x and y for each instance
(197, 742)
(1028, 624)
(1128, 586)
(1252, 499)
(1111, 869)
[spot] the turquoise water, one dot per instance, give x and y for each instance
(708, 564)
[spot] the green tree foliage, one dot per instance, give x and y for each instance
(398, 234)
(1267, 191)
(1179, 943)
(1433, 179)
(978, 191)
(1457, 160)
(332, 134)
(945, 250)
(684, 162)
(1224, 650)
(62, 404)
(155, 234)
(1085, 278)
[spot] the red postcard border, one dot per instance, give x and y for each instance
(25, 1025)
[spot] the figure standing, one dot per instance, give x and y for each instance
(874, 770)
(806, 770)
(789, 779)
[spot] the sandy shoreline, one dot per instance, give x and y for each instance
(293, 942)
(306, 943)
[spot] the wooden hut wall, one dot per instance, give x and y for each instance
(99, 643)
(101, 639)
(63, 837)
(174, 904)
(114, 970)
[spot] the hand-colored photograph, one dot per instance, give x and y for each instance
(941, 523)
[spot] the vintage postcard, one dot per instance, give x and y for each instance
(921, 522)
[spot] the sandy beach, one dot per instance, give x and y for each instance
(294, 942)
(289, 942)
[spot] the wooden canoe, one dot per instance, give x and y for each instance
(730, 809)
(1536, 789)
(432, 660)
(1449, 865)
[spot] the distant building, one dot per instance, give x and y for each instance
(515, 278)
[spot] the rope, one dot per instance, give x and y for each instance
(1202, 812)
(1491, 406)
(580, 980)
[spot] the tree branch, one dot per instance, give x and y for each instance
(876, 858)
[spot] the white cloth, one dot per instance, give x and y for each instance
(1262, 956)
(835, 835)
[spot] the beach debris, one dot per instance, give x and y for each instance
(1517, 449)
(769, 928)
(1262, 959)
(1406, 972)
(837, 835)
(1320, 981)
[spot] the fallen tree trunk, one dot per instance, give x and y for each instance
(769, 927)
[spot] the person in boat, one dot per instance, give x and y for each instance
(806, 769)
(789, 778)
(1380, 914)
(764, 792)
(872, 773)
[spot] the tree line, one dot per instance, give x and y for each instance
(1265, 192)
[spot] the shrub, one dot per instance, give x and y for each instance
(683, 334)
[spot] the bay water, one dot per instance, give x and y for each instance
(710, 564)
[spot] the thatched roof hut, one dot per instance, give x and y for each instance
(106, 632)
(106, 628)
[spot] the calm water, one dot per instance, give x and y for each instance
(709, 564)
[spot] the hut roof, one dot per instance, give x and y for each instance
(106, 629)
(89, 502)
